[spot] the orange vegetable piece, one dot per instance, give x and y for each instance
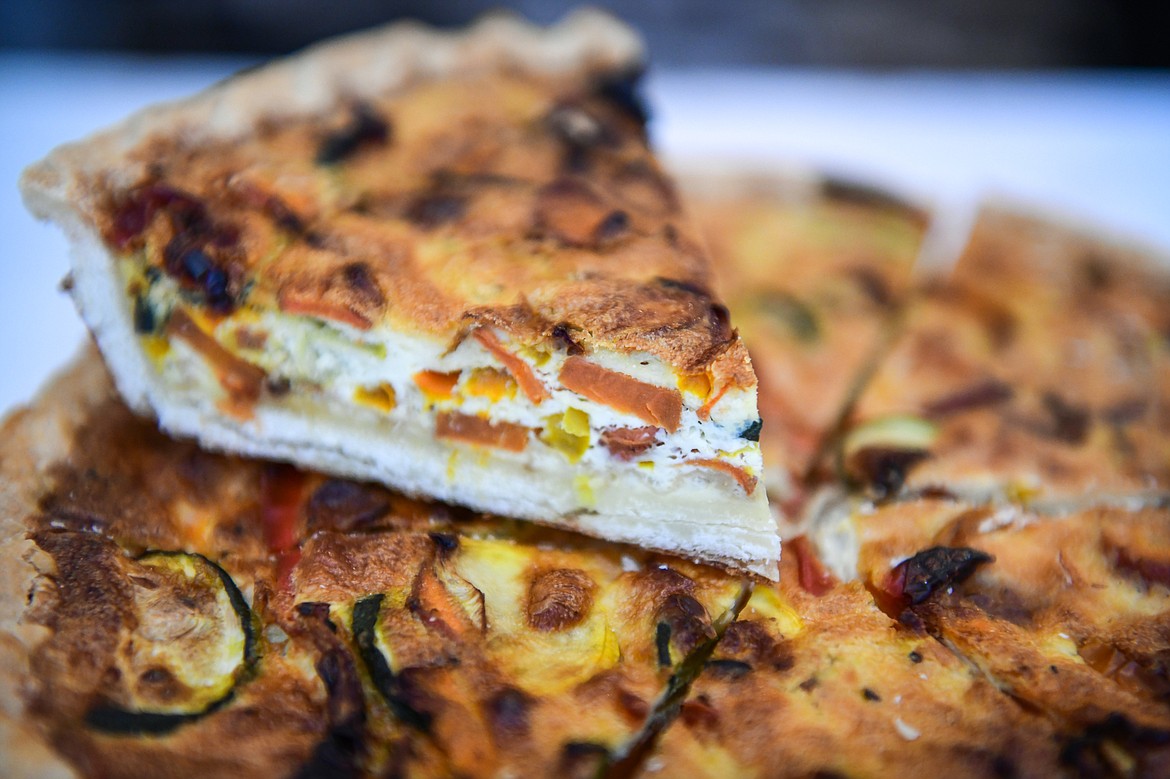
(520, 370)
(480, 431)
(657, 406)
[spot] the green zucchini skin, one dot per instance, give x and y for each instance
(124, 722)
(117, 720)
(365, 622)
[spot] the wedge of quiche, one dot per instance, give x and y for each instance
(448, 263)
(1033, 372)
(813, 679)
(1069, 614)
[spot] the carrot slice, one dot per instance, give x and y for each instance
(657, 406)
(435, 385)
(745, 480)
(519, 369)
(704, 411)
(307, 303)
(481, 432)
(242, 380)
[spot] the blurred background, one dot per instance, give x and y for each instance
(1061, 105)
(848, 33)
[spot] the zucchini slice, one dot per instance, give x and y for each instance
(190, 643)
(366, 614)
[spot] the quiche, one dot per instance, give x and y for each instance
(1068, 613)
(160, 599)
(447, 263)
(814, 680)
(1034, 371)
(975, 448)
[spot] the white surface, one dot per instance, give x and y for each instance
(1096, 146)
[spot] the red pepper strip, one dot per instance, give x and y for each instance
(814, 579)
(281, 491)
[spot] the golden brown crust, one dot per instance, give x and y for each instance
(33, 438)
(1065, 613)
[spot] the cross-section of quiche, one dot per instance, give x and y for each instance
(446, 263)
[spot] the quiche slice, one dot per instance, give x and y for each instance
(1034, 372)
(448, 263)
(812, 679)
(1069, 614)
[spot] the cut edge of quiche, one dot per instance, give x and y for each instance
(642, 429)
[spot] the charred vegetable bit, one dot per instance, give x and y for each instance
(563, 338)
(1070, 423)
(622, 89)
(365, 128)
(662, 643)
(884, 470)
(190, 256)
(366, 613)
(180, 588)
(752, 431)
(343, 747)
(683, 623)
(913, 581)
(135, 211)
(612, 226)
(144, 318)
(194, 269)
(990, 392)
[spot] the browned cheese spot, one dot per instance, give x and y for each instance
(559, 598)
(575, 215)
(626, 443)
